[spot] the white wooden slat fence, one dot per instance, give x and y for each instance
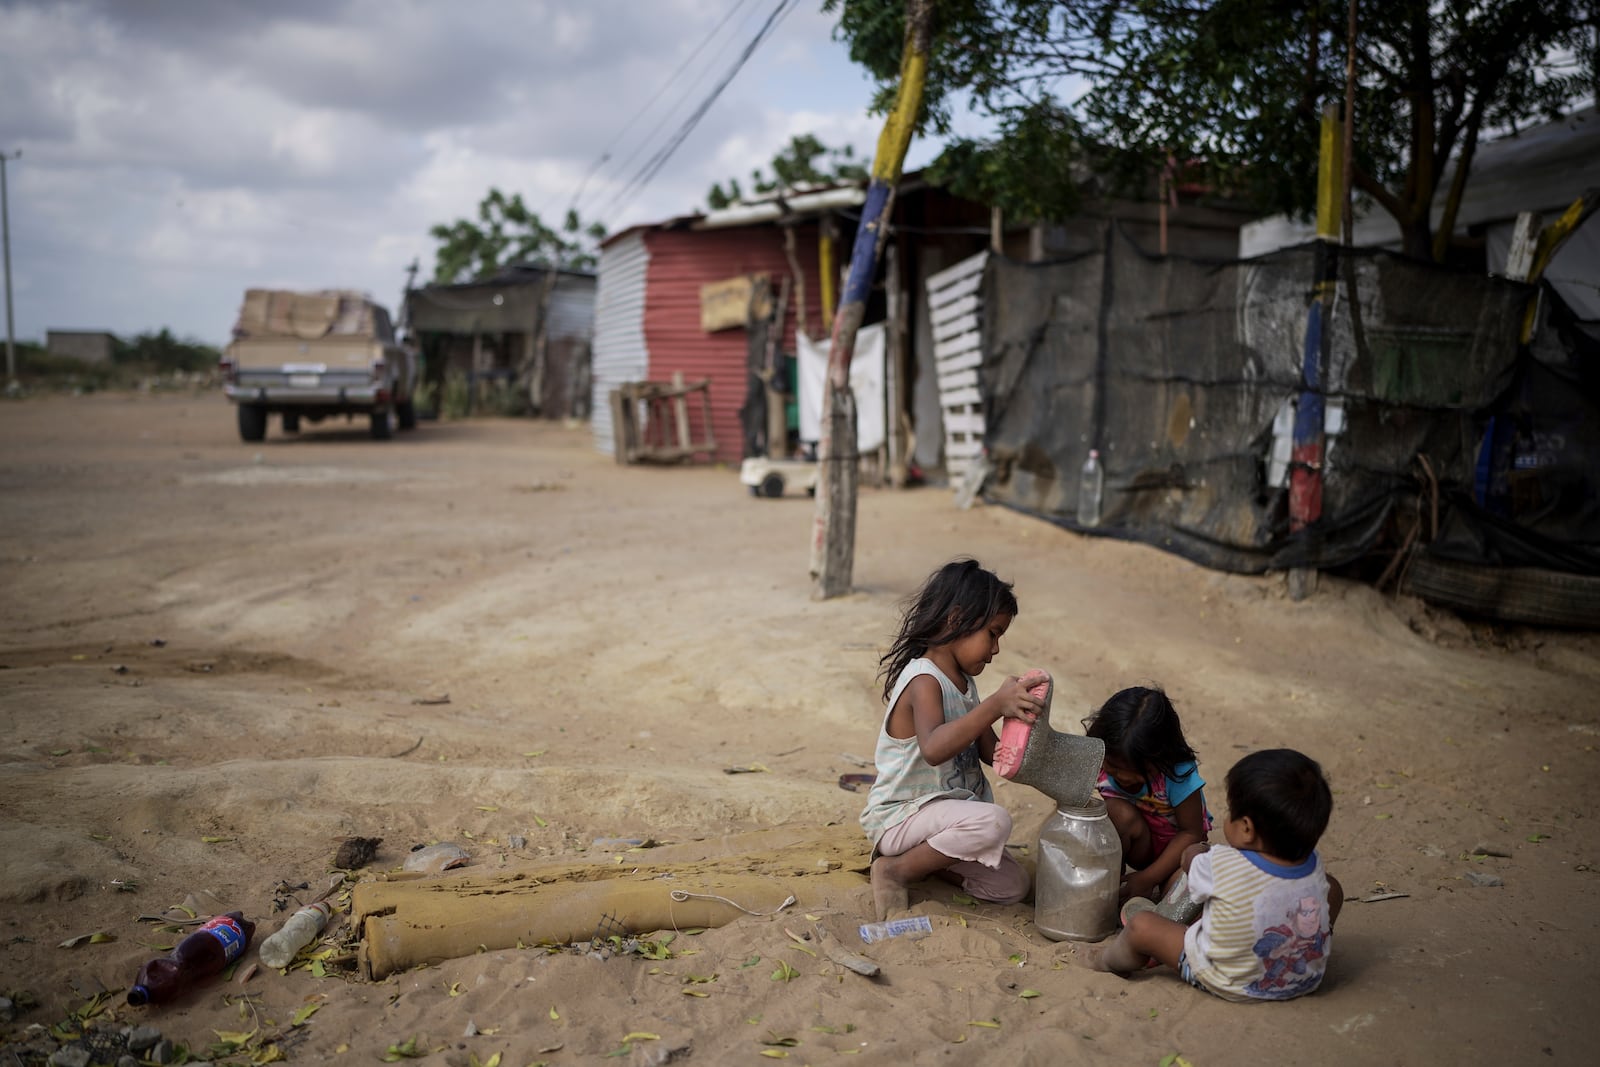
(955, 305)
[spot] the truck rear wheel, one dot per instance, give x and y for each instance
(252, 422)
(382, 424)
(291, 422)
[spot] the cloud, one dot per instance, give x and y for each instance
(178, 151)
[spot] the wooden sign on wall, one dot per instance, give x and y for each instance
(726, 305)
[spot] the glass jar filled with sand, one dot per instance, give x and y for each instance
(1080, 871)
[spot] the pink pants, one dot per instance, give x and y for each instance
(974, 833)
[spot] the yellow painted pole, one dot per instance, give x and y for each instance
(1330, 174)
(833, 530)
(1309, 449)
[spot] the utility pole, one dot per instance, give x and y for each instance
(401, 320)
(5, 243)
(1310, 440)
(833, 531)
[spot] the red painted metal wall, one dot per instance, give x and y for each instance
(681, 261)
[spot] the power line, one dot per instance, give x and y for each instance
(653, 165)
(689, 89)
(655, 98)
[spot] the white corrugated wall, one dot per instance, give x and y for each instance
(619, 349)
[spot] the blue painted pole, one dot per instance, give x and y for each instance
(834, 529)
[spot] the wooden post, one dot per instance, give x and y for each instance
(1549, 239)
(474, 379)
(826, 270)
(1305, 477)
(1349, 127)
(834, 531)
(997, 232)
(1524, 241)
(894, 367)
(619, 429)
(772, 374)
(799, 278)
(541, 344)
(680, 410)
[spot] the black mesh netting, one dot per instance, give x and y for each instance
(1185, 375)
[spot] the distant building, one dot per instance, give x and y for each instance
(524, 325)
(88, 346)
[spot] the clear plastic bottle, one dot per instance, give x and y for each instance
(1091, 486)
(203, 953)
(1080, 871)
(294, 935)
(913, 925)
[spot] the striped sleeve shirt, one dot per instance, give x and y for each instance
(1264, 933)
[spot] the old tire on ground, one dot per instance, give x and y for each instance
(406, 414)
(772, 485)
(1511, 594)
(291, 422)
(252, 422)
(382, 424)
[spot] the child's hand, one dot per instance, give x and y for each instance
(1016, 702)
(1139, 884)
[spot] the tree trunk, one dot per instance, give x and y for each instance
(834, 530)
(1416, 238)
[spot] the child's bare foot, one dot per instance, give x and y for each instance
(1117, 956)
(889, 893)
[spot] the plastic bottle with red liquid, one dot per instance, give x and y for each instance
(203, 953)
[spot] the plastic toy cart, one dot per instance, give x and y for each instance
(770, 477)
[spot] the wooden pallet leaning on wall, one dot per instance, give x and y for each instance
(653, 422)
(955, 304)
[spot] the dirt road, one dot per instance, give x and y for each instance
(220, 658)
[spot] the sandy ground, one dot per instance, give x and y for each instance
(213, 655)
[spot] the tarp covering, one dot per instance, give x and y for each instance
(508, 302)
(1534, 497)
(1178, 371)
(866, 381)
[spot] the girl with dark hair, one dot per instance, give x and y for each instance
(931, 811)
(1152, 787)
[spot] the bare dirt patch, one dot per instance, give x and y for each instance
(220, 659)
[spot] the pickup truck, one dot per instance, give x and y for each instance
(315, 355)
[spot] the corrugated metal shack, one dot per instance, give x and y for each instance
(649, 312)
(648, 323)
(528, 327)
(648, 317)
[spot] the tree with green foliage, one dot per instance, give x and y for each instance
(161, 351)
(1234, 89)
(506, 233)
(804, 161)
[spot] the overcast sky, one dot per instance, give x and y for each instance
(176, 152)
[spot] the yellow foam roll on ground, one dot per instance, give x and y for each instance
(409, 921)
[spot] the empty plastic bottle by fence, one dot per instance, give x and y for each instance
(203, 953)
(1090, 488)
(296, 934)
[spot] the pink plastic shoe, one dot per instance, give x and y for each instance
(1064, 767)
(1014, 733)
